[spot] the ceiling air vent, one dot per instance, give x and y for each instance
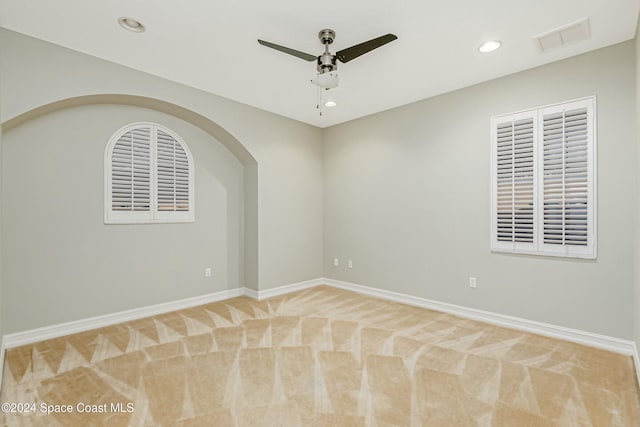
(567, 34)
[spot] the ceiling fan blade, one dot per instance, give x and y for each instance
(290, 51)
(346, 55)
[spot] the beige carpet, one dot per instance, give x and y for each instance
(319, 357)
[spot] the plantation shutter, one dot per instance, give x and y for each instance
(173, 175)
(148, 176)
(543, 180)
(131, 174)
(568, 171)
(513, 215)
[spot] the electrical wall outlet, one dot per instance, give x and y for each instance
(336, 262)
(473, 283)
(207, 272)
(350, 264)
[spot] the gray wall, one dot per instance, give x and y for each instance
(287, 202)
(288, 153)
(2, 300)
(63, 260)
(407, 199)
(636, 282)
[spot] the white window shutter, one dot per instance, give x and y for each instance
(130, 176)
(149, 176)
(513, 186)
(568, 179)
(173, 178)
(543, 173)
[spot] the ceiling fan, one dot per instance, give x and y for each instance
(327, 76)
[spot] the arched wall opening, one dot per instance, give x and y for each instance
(247, 216)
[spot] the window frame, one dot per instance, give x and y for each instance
(153, 216)
(539, 247)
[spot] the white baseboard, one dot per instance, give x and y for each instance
(281, 290)
(617, 345)
(581, 337)
(604, 342)
(636, 362)
(2, 351)
(54, 331)
(251, 293)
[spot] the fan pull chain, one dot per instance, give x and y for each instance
(319, 100)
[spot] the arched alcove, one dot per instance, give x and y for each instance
(250, 214)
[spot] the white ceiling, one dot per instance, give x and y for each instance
(211, 44)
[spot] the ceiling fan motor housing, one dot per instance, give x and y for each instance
(327, 63)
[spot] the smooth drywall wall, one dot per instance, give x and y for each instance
(2, 303)
(288, 153)
(636, 281)
(63, 262)
(407, 199)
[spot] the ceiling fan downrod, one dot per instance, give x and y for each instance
(327, 61)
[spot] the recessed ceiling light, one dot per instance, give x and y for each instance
(330, 104)
(490, 46)
(131, 24)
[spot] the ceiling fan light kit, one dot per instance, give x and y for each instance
(326, 80)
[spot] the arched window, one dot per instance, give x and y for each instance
(148, 176)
